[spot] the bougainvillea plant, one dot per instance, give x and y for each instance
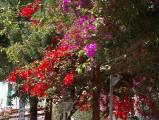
(96, 32)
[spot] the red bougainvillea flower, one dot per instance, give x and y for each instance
(39, 89)
(68, 80)
(45, 65)
(25, 74)
(30, 9)
(145, 106)
(39, 74)
(62, 50)
(25, 87)
(83, 103)
(56, 56)
(27, 12)
(122, 107)
(12, 75)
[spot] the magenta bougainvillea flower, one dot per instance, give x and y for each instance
(90, 49)
(65, 5)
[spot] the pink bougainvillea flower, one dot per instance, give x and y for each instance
(90, 49)
(65, 5)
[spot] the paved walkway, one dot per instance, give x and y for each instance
(14, 116)
(27, 118)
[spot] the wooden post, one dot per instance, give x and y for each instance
(111, 100)
(96, 93)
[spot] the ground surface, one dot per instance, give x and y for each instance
(27, 118)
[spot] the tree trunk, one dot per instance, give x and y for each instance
(33, 108)
(48, 109)
(21, 109)
(96, 93)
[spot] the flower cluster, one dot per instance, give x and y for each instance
(65, 5)
(68, 80)
(122, 107)
(39, 74)
(90, 49)
(30, 9)
(41, 71)
(83, 103)
(39, 89)
(145, 106)
(79, 33)
(74, 39)
(12, 75)
(25, 74)
(25, 87)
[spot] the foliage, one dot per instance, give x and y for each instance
(55, 46)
